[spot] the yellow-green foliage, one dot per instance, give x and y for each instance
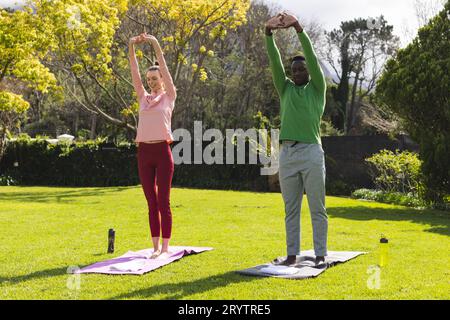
(205, 20)
(10, 102)
(84, 32)
(24, 40)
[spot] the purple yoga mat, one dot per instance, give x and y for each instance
(137, 262)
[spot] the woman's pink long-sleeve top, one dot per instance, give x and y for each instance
(155, 117)
(155, 111)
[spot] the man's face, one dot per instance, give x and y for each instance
(300, 73)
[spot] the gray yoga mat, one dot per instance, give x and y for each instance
(304, 268)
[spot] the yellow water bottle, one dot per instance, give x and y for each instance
(383, 251)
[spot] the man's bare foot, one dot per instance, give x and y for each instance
(155, 254)
(320, 260)
(290, 260)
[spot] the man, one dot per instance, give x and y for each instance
(302, 164)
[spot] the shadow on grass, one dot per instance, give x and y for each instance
(35, 275)
(59, 195)
(180, 290)
(439, 221)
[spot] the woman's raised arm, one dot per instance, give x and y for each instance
(166, 77)
(135, 75)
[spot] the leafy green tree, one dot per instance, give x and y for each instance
(90, 57)
(84, 32)
(416, 87)
(24, 41)
(191, 33)
(12, 107)
(356, 52)
(240, 83)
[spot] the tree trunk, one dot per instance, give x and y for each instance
(351, 110)
(340, 95)
(2, 142)
(93, 127)
(76, 123)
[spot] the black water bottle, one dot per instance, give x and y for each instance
(111, 237)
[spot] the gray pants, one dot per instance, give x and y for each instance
(302, 168)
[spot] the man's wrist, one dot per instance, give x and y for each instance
(298, 27)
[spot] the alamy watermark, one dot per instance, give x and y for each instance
(374, 279)
(262, 148)
(73, 282)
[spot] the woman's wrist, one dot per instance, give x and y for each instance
(154, 43)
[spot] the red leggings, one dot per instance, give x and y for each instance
(155, 165)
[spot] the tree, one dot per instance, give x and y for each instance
(424, 10)
(83, 32)
(24, 41)
(240, 84)
(214, 49)
(91, 53)
(415, 85)
(239, 80)
(362, 47)
(191, 32)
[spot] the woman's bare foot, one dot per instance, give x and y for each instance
(165, 254)
(155, 254)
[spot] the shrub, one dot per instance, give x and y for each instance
(91, 163)
(398, 198)
(7, 181)
(396, 172)
(337, 188)
(98, 163)
(327, 129)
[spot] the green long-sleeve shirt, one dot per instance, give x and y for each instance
(301, 106)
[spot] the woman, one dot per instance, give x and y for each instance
(154, 136)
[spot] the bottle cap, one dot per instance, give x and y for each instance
(384, 240)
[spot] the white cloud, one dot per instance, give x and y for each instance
(11, 3)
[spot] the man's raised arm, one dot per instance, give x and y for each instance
(314, 69)
(276, 65)
(312, 63)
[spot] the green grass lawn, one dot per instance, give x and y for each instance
(45, 230)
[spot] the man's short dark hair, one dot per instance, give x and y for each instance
(298, 58)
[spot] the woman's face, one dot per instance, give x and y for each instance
(154, 80)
